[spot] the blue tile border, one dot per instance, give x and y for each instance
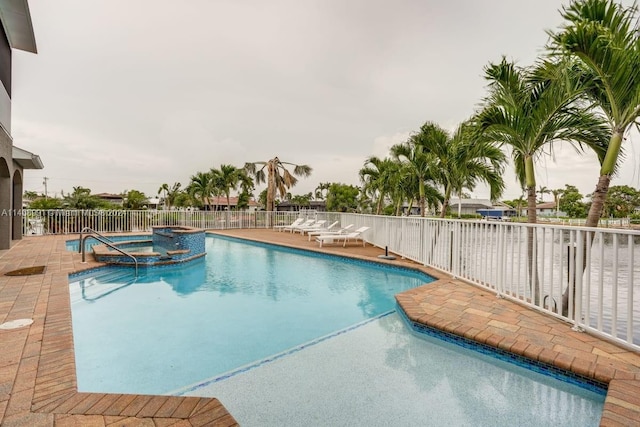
(142, 268)
(572, 378)
(277, 356)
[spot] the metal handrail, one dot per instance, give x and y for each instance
(92, 231)
(108, 243)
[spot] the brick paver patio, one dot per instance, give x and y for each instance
(37, 368)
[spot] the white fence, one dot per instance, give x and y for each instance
(595, 269)
(57, 221)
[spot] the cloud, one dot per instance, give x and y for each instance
(116, 101)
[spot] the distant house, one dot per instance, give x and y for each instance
(154, 203)
(314, 205)
(114, 199)
(220, 204)
(547, 209)
(469, 206)
(484, 207)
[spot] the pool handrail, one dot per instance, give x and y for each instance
(104, 240)
(91, 231)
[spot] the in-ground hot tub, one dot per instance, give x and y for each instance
(167, 245)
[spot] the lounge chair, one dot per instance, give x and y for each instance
(291, 228)
(343, 230)
(322, 229)
(331, 238)
(318, 225)
(293, 224)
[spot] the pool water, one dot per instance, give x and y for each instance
(277, 333)
(73, 245)
(174, 326)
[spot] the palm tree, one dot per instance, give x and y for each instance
(164, 188)
(603, 36)
(172, 194)
(376, 176)
(227, 179)
(200, 187)
(417, 154)
(321, 190)
(527, 110)
(542, 190)
(277, 177)
(464, 161)
(557, 194)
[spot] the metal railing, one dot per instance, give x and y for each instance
(586, 276)
(104, 240)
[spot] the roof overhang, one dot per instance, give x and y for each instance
(26, 159)
(16, 20)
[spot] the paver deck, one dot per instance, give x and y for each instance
(37, 367)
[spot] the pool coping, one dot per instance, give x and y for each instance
(37, 369)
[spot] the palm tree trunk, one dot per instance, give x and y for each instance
(379, 204)
(597, 207)
(445, 202)
(422, 199)
(597, 201)
(608, 166)
(271, 186)
(534, 283)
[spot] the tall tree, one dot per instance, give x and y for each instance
(200, 187)
(557, 195)
(342, 197)
(164, 189)
(322, 190)
(542, 190)
(622, 200)
(246, 187)
(376, 176)
(134, 199)
(466, 160)
(172, 194)
(603, 36)
(277, 176)
(417, 156)
(81, 198)
(227, 179)
(527, 110)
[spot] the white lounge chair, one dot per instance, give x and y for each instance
(318, 225)
(332, 238)
(321, 230)
(293, 224)
(291, 228)
(343, 230)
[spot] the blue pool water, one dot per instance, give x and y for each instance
(73, 245)
(243, 303)
(212, 328)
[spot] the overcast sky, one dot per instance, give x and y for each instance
(131, 94)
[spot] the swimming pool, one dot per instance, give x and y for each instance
(246, 310)
(247, 302)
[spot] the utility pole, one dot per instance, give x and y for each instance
(45, 186)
